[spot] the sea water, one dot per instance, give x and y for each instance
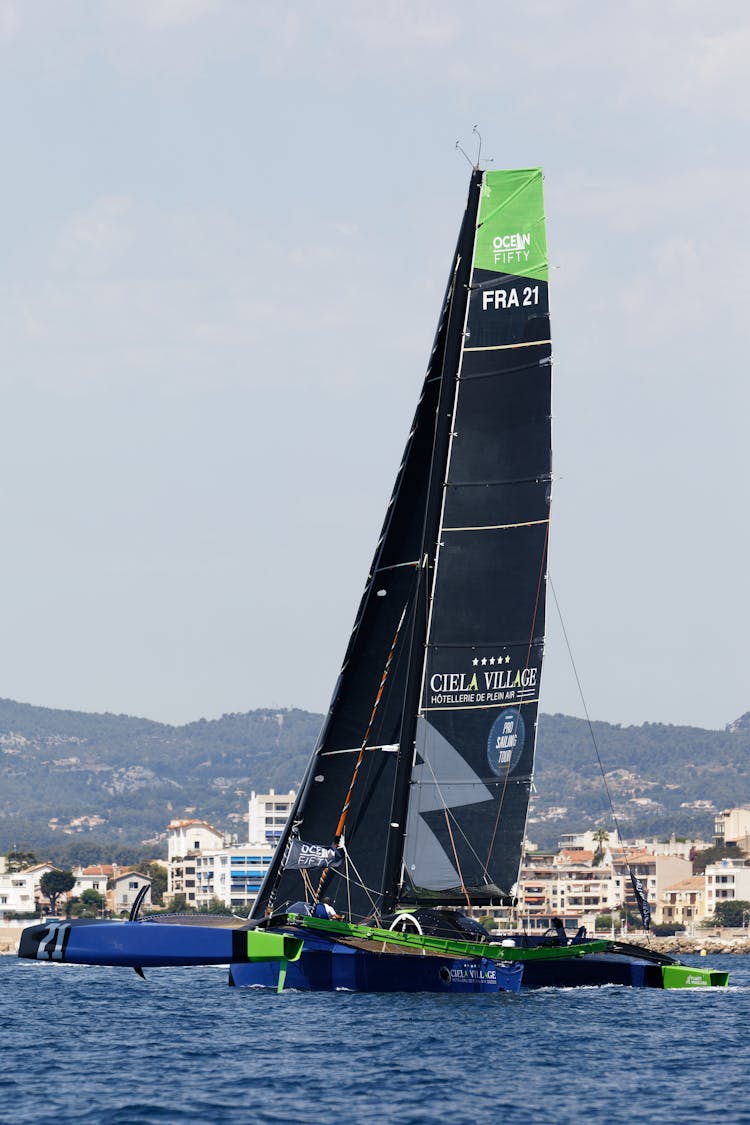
(89, 1045)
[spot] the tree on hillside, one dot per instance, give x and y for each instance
(734, 912)
(55, 883)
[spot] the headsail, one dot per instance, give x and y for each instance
(441, 676)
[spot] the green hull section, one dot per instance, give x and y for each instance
(265, 946)
(684, 976)
(448, 945)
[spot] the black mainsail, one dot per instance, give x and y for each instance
(423, 767)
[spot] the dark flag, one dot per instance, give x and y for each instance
(640, 898)
(302, 855)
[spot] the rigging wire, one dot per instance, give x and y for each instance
(371, 892)
(593, 741)
(455, 856)
(362, 884)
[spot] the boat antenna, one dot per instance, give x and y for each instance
(637, 888)
(474, 163)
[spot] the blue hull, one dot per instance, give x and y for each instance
(326, 966)
(593, 970)
(145, 945)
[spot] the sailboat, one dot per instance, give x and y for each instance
(413, 807)
(421, 776)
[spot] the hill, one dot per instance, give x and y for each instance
(662, 778)
(85, 787)
(92, 785)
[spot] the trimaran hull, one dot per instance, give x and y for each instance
(313, 955)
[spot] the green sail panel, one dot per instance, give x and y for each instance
(511, 236)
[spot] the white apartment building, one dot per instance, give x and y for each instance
(185, 839)
(587, 841)
(233, 875)
(93, 878)
(733, 827)
(186, 836)
(729, 879)
(267, 814)
(567, 887)
(203, 865)
(19, 890)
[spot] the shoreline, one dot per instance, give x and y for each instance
(711, 943)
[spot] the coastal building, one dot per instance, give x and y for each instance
(189, 836)
(566, 885)
(727, 880)
(589, 840)
(93, 878)
(267, 814)
(203, 865)
(124, 889)
(683, 903)
(686, 848)
(233, 875)
(732, 828)
(20, 892)
(185, 840)
(656, 873)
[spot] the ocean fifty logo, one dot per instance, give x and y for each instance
(508, 248)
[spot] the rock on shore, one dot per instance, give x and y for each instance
(712, 943)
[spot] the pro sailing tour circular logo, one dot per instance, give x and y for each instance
(506, 741)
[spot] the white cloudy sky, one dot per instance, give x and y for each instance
(224, 234)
